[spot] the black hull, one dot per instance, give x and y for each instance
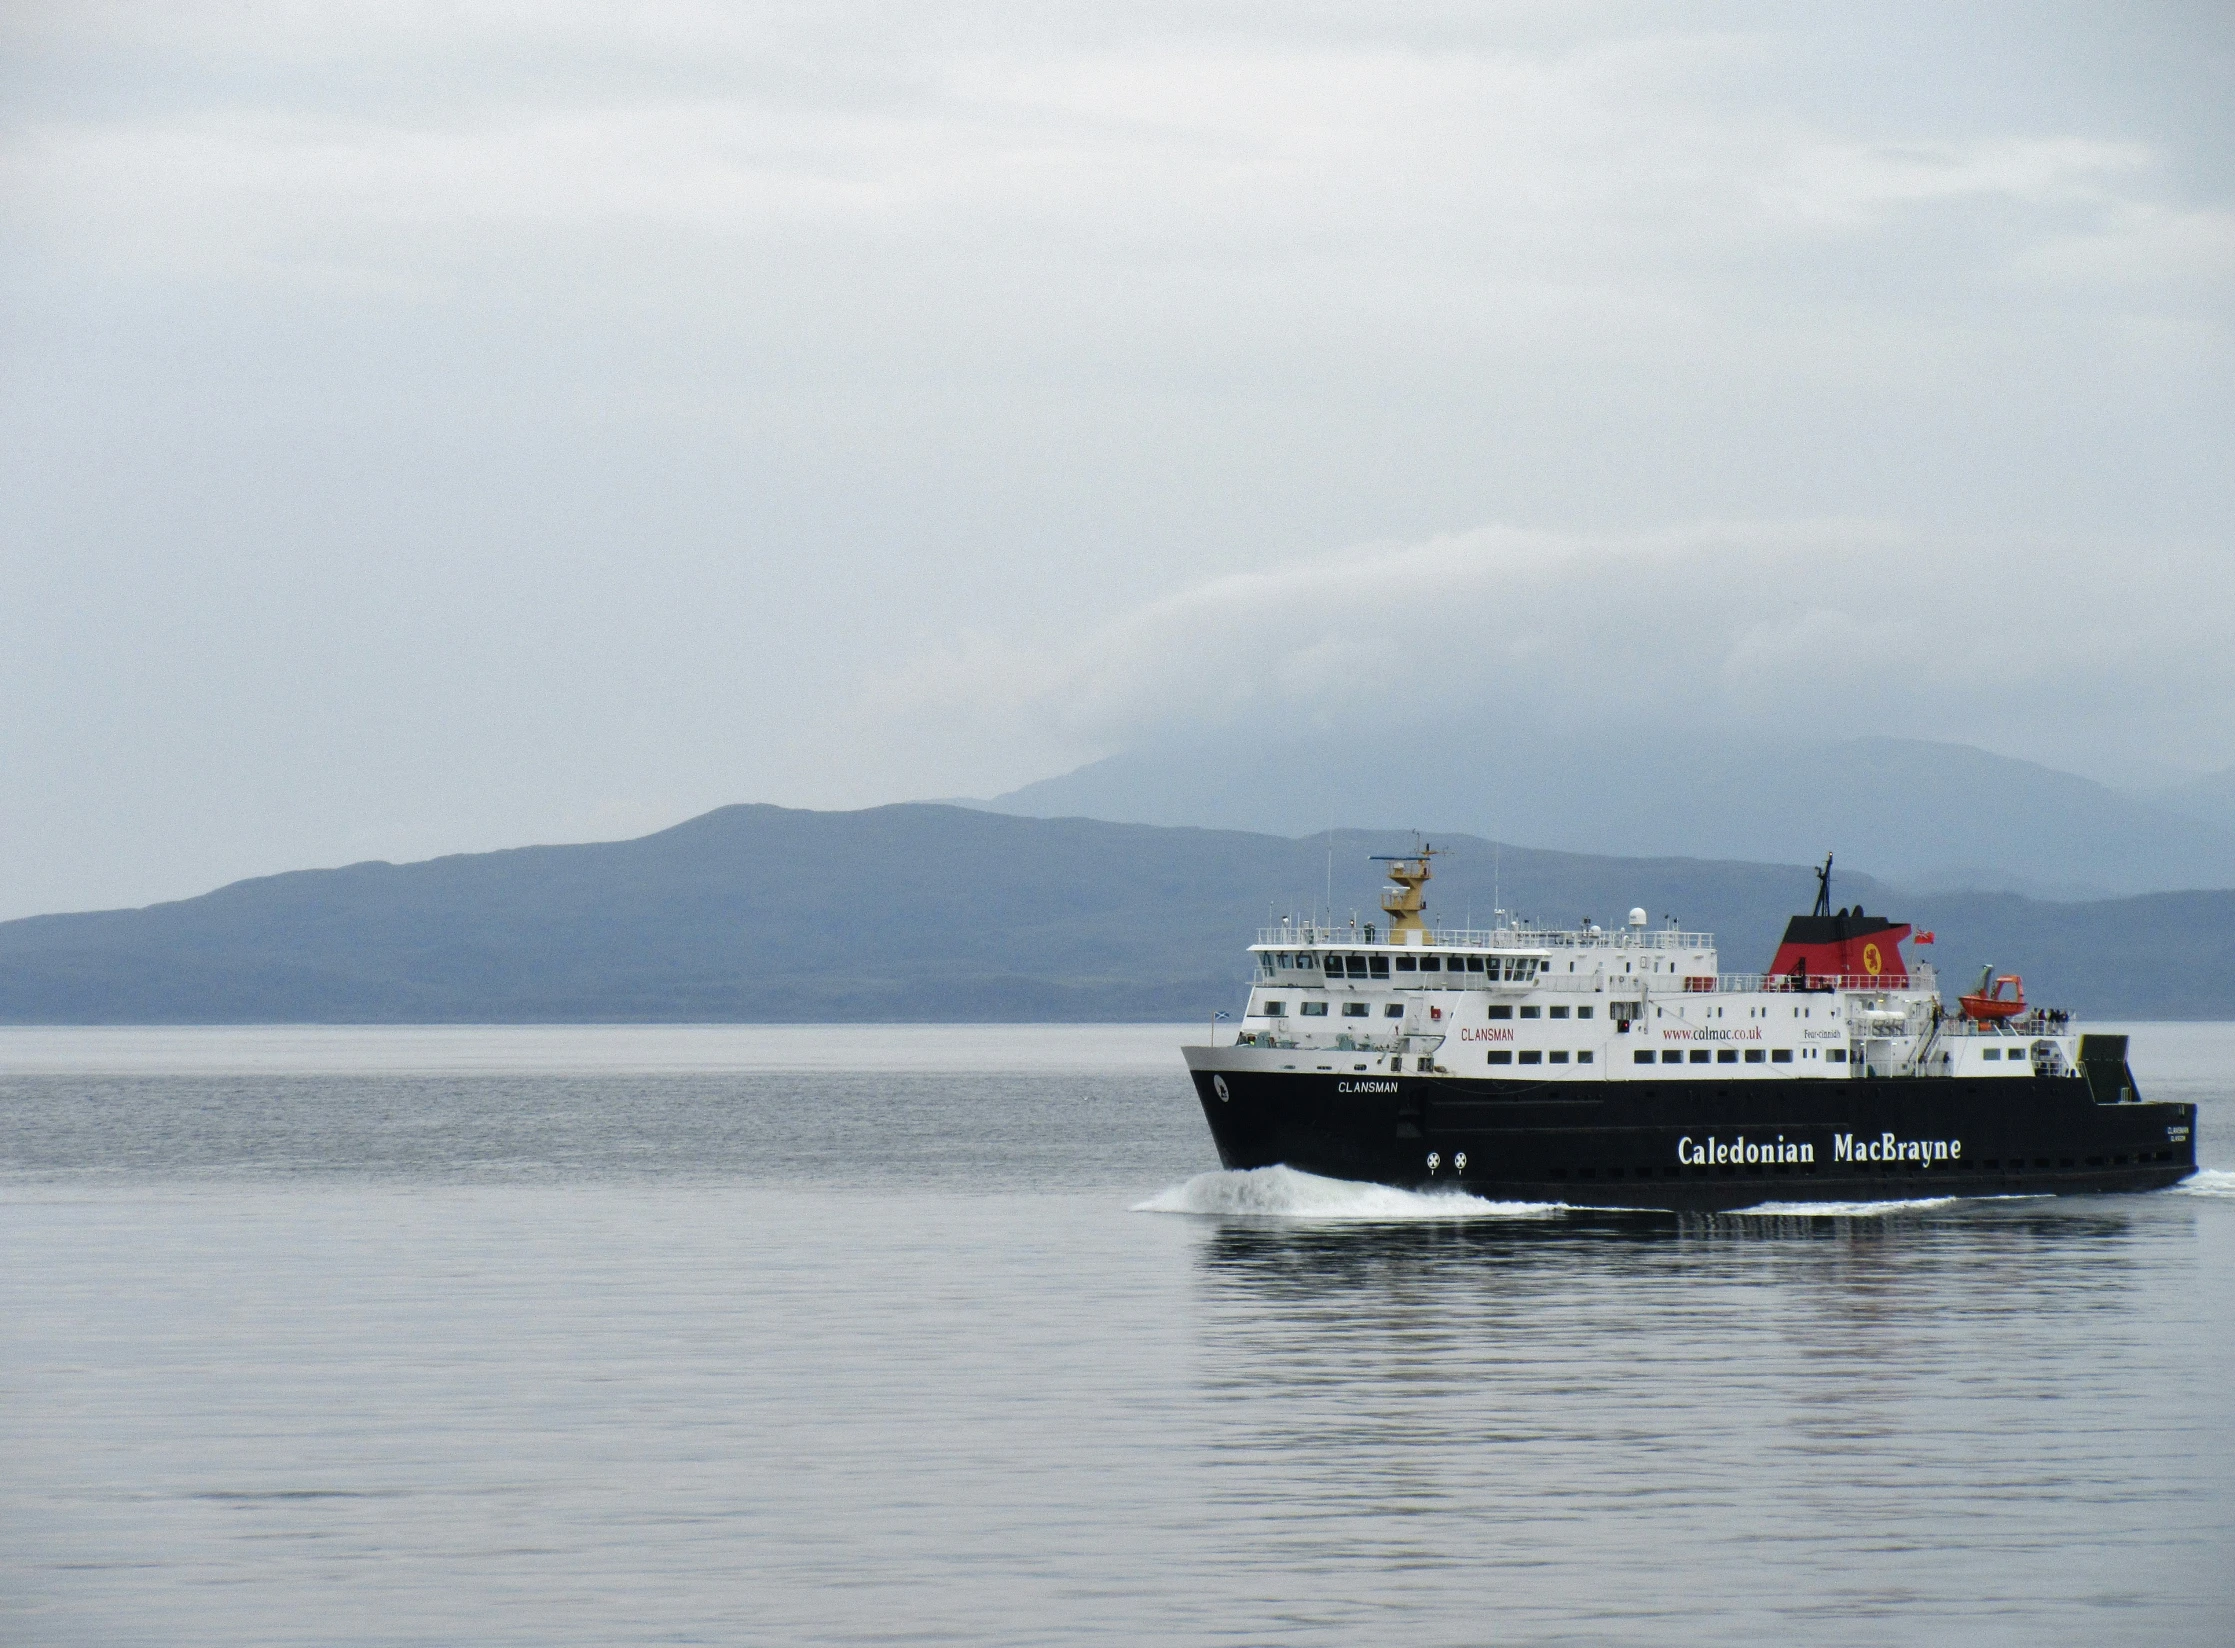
(1656, 1144)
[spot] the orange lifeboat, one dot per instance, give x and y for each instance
(1987, 1005)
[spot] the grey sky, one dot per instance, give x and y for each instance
(440, 427)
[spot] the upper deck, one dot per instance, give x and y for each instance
(1515, 956)
(1553, 958)
(1519, 937)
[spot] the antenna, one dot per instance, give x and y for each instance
(1823, 889)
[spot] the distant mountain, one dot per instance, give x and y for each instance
(2210, 798)
(943, 913)
(1917, 814)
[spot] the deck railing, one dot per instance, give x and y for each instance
(2034, 1021)
(1309, 937)
(1921, 977)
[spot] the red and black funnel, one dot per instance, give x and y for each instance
(1825, 944)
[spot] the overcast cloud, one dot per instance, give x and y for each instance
(438, 428)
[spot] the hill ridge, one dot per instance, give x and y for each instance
(918, 911)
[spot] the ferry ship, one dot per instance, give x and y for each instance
(1621, 1067)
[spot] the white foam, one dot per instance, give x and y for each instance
(1284, 1193)
(2208, 1181)
(1843, 1210)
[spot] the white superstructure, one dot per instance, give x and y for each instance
(1632, 1003)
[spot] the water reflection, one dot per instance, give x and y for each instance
(2061, 1247)
(1472, 1395)
(1418, 1333)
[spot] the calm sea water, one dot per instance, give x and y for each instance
(908, 1335)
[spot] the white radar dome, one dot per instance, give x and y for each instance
(1637, 917)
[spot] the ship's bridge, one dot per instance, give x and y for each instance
(1307, 952)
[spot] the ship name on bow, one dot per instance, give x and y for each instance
(1845, 1147)
(1740, 1151)
(1887, 1148)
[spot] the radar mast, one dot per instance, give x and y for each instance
(1405, 901)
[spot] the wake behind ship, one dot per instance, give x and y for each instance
(1623, 1067)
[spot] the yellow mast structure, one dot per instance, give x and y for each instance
(1405, 901)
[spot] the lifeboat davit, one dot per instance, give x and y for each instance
(1988, 1005)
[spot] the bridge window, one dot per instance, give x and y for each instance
(1474, 963)
(1408, 964)
(1356, 966)
(1313, 1009)
(1781, 1055)
(1431, 964)
(1379, 965)
(1354, 1009)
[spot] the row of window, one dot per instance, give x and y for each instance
(1512, 969)
(1396, 1010)
(1734, 1055)
(1318, 1009)
(1531, 1055)
(1505, 969)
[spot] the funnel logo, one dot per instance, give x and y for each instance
(1871, 959)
